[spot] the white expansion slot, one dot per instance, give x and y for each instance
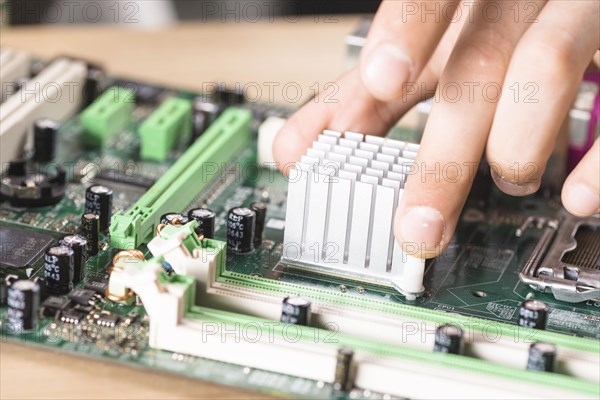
(14, 65)
(221, 337)
(55, 93)
(482, 340)
(342, 197)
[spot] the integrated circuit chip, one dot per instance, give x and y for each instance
(82, 297)
(20, 248)
(53, 306)
(98, 285)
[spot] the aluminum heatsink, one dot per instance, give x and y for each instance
(342, 197)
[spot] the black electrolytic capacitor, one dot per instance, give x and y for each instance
(204, 113)
(44, 139)
(342, 381)
(98, 200)
(261, 216)
(94, 84)
(78, 244)
(174, 219)
(542, 357)
(90, 230)
(206, 221)
(4, 285)
(533, 314)
(41, 281)
(3, 293)
(23, 305)
(448, 339)
(241, 222)
(295, 310)
(230, 96)
(59, 269)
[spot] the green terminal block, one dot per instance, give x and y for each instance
(197, 168)
(160, 132)
(106, 116)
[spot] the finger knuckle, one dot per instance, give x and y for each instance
(486, 48)
(558, 56)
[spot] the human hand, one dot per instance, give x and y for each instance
(516, 67)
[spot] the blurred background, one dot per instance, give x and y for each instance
(158, 13)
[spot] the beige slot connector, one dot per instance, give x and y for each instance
(55, 93)
(14, 65)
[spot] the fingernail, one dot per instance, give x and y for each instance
(387, 68)
(514, 189)
(581, 200)
(423, 227)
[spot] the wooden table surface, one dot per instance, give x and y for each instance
(305, 54)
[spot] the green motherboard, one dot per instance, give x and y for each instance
(153, 170)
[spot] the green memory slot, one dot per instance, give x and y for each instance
(178, 187)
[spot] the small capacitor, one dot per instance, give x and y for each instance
(448, 339)
(261, 216)
(17, 168)
(3, 293)
(78, 244)
(206, 221)
(58, 270)
(44, 139)
(295, 310)
(241, 223)
(533, 314)
(229, 96)
(343, 378)
(23, 305)
(4, 285)
(542, 357)
(90, 230)
(174, 219)
(204, 113)
(94, 84)
(98, 200)
(41, 281)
